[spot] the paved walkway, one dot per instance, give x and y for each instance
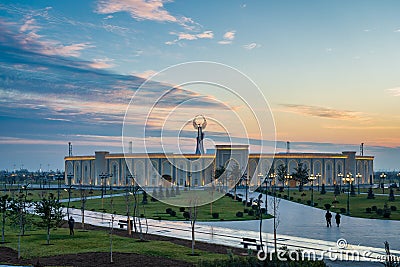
(300, 227)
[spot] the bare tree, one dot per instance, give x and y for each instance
(274, 203)
(50, 211)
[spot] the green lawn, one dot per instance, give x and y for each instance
(358, 203)
(226, 207)
(98, 241)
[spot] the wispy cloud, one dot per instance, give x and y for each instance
(190, 36)
(102, 63)
(251, 46)
(228, 37)
(323, 112)
(393, 91)
(145, 10)
(145, 74)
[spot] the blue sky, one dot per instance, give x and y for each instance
(329, 70)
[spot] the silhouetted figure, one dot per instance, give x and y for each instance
(328, 217)
(337, 219)
(71, 223)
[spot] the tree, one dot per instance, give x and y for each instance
(220, 174)
(391, 195)
(323, 190)
(281, 172)
(235, 174)
(18, 207)
(370, 194)
(50, 211)
(301, 175)
(5, 203)
(337, 191)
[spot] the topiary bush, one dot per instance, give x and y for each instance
(315, 204)
(285, 196)
(379, 211)
(172, 213)
(215, 215)
(246, 210)
(299, 200)
(186, 215)
(240, 214)
(368, 210)
(342, 210)
(279, 195)
(181, 209)
(168, 210)
(291, 198)
(308, 202)
(327, 206)
(393, 208)
(374, 208)
(251, 213)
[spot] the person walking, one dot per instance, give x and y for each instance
(328, 217)
(71, 223)
(337, 218)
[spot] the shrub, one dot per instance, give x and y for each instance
(303, 194)
(269, 193)
(335, 202)
(181, 209)
(240, 214)
(327, 206)
(374, 208)
(379, 211)
(186, 215)
(315, 204)
(299, 200)
(309, 202)
(370, 194)
(246, 210)
(254, 207)
(215, 215)
(279, 195)
(291, 198)
(168, 210)
(342, 210)
(285, 196)
(172, 213)
(393, 208)
(248, 204)
(92, 209)
(294, 193)
(368, 210)
(251, 213)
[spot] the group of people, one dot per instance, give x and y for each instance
(328, 217)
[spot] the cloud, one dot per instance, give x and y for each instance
(145, 74)
(228, 37)
(251, 46)
(145, 10)
(102, 63)
(393, 91)
(397, 30)
(190, 36)
(323, 112)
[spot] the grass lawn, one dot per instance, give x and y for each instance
(35, 194)
(98, 241)
(226, 207)
(358, 203)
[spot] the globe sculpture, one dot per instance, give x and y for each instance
(199, 123)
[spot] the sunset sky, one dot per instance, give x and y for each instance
(68, 69)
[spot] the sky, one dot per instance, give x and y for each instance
(68, 70)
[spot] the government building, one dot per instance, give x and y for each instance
(198, 170)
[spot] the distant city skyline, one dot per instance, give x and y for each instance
(68, 69)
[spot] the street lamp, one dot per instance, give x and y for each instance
(383, 176)
(358, 176)
(312, 178)
(349, 180)
(318, 176)
(69, 198)
(288, 177)
(340, 176)
(103, 176)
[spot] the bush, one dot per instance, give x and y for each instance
(254, 207)
(240, 214)
(393, 208)
(342, 210)
(168, 210)
(315, 204)
(368, 210)
(303, 194)
(215, 215)
(308, 202)
(248, 204)
(285, 196)
(92, 209)
(186, 215)
(182, 209)
(269, 193)
(379, 211)
(263, 211)
(291, 198)
(172, 213)
(374, 208)
(246, 210)
(251, 213)
(299, 200)
(327, 206)
(335, 202)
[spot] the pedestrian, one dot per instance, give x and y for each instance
(71, 223)
(337, 218)
(328, 217)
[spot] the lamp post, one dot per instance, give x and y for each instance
(69, 198)
(103, 176)
(318, 176)
(349, 180)
(312, 178)
(383, 176)
(288, 177)
(358, 176)
(340, 176)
